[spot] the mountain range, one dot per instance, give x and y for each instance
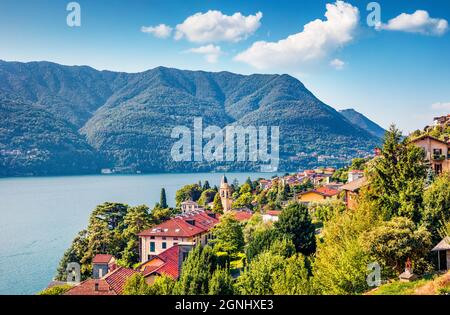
(59, 120)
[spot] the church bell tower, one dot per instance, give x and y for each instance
(225, 194)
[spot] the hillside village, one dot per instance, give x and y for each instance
(292, 216)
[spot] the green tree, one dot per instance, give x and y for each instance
(104, 235)
(160, 215)
(262, 241)
(295, 223)
(323, 212)
(136, 285)
(221, 282)
(437, 205)
(254, 225)
(445, 229)
(294, 278)
(163, 285)
(163, 199)
(397, 178)
(394, 241)
(217, 204)
(358, 164)
(341, 260)
(196, 272)
(206, 186)
(250, 183)
(188, 192)
(74, 253)
(137, 220)
(257, 278)
(282, 247)
(244, 200)
(207, 196)
(228, 234)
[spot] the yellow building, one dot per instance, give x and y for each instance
(321, 194)
(437, 152)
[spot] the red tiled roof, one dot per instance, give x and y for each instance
(150, 269)
(169, 266)
(102, 259)
(179, 227)
(242, 215)
(111, 284)
(117, 278)
(88, 288)
(274, 213)
(327, 191)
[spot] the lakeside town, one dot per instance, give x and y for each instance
(291, 234)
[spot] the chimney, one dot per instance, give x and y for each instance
(96, 286)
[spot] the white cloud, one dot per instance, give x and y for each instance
(214, 26)
(211, 52)
(160, 31)
(418, 22)
(441, 106)
(338, 64)
(318, 39)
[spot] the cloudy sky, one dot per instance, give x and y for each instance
(396, 69)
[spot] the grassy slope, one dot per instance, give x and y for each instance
(429, 285)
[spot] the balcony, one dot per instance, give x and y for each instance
(438, 157)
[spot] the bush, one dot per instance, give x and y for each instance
(56, 290)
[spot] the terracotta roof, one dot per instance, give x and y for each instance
(111, 284)
(428, 136)
(329, 192)
(180, 227)
(102, 259)
(117, 278)
(242, 215)
(169, 265)
(355, 185)
(443, 245)
(88, 288)
(274, 213)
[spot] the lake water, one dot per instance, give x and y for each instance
(39, 217)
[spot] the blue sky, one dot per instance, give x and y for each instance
(398, 72)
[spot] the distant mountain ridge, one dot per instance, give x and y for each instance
(124, 121)
(363, 122)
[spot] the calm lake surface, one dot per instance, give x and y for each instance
(39, 217)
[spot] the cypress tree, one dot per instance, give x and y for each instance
(163, 199)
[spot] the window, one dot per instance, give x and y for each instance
(164, 238)
(164, 245)
(152, 237)
(438, 168)
(152, 246)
